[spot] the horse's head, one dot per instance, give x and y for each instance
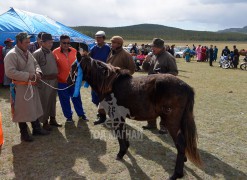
(98, 74)
(83, 61)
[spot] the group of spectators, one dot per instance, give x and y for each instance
(35, 72)
(205, 53)
(231, 55)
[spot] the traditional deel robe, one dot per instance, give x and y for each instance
(18, 67)
(198, 53)
(187, 54)
(121, 58)
(48, 65)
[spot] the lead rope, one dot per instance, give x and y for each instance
(29, 86)
(35, 78)
(56, 87)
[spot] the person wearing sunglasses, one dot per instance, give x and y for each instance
(65, 55)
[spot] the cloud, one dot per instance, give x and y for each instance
(190, 14)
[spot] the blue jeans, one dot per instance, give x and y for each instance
(64, 98)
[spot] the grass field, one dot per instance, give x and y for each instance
(74, 152)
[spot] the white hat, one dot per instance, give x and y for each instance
(100, 34)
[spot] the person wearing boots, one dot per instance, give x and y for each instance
(23, 69)
(99, 52)
(47, 94)
(160, 62)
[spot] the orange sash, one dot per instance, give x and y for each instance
(23, 82)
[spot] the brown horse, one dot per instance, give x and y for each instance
(146, 98)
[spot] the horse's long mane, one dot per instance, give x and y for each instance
(123, 74)
(102, 76)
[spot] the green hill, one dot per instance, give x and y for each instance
(239, 30)
(149, 31)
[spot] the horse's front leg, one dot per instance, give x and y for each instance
(120, 133)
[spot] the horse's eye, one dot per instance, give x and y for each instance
(105, 72)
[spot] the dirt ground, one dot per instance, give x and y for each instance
(83, 151)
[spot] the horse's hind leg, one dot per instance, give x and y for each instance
(173, 127)
(181, 158)
(120, 132)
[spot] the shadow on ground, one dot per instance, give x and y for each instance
(55, 156)
(156, 152)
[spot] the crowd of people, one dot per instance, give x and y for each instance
(38, 69)
(202, 53)
(36, 72)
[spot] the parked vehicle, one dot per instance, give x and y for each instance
(243, 65)
(178, 51)
(226, 62)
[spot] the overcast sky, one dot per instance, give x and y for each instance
(202, 15)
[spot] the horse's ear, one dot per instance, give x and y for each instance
(78, 56)
(122, 71)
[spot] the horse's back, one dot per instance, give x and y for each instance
(143, 94)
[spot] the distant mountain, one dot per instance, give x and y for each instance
(238, 30)
(149, 31)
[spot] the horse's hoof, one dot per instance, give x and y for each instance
(185, 159)
(120, 155)
(119, 158)
(127, 144)
(176, 175)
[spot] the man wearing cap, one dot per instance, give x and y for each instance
(6, 49)
(48, 65)
(65, 56)
(160, 62)
(99, 52)
(23, 69)
(119, 57)
(37, 44)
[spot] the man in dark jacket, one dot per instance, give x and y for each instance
(160, 62)
(235, 59)
(225, 51)
(211, 55)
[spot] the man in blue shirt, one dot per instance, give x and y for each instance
(99, 52)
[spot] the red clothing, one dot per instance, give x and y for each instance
(203, 52)
(64, 63)
(1, 65)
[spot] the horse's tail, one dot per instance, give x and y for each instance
(189, 130)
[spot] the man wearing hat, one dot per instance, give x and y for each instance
(119, 57)
(37, 44)
(99, 52)
(47, 94)
(160, 62)
(23, 69)
(9, 45)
